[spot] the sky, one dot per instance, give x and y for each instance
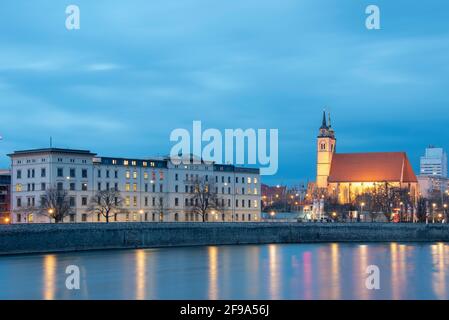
(136, 70)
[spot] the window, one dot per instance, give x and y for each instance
(107, 174)
(187, 202)
(176, 217)
(222, 179)
(116, 186)
(145, 164)
(99, 173)
(249, 203)
(176, 202)
(161, 188)
(72, 186)
(135, 187)
(127, 187)
(236, 203)
(146, 201)
(72, 218)
(255, 203)
(127, 201)
(134, 163)
(125, 162)
(255, 180)
(84, 217)
(60, 186)
(60, 172)
(19, 217)
(128, 174)
(84, 201)
(135, 201)
(135, 174)
(18, 187)
(72, 201)
(19, 174)
(153, 188)
(255, 191)
(176, 177)
(243, 190)
(146, 187)
(153, 201)
(145, 175)
(43, 186)
(72, 173)
(243, 180)
(84, 173)
(84, 186)
(19, 202)
(249, 180)
(116, 174)
(43, 172)
(176, 188)
(114, 161)
(30, 217)
(243, 203)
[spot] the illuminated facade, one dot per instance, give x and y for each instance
(345, 176)
(154, 190)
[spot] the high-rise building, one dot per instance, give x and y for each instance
(434, 162)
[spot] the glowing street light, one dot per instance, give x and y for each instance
(51, 211)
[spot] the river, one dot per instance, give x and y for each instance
(278, 271)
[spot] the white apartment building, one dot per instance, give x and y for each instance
(434, 162)
(153, 190)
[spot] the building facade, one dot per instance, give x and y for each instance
(153, 190)
(434, 163)
(5, 196)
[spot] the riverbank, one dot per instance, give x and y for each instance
(41, 238)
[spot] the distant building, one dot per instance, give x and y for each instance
(433, 172)
(153, 189)
(431, 186)
(434, 163)
(5, 196)
(346, 175)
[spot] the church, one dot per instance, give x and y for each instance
(344, 176)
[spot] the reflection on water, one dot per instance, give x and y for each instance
(286, 271)
(49, 272)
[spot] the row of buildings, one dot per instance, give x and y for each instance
(153, 190)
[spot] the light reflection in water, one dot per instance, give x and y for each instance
(140, 274)
(49, 266)
(273, 266)
(307, 258)
(439, 274)
(335, 271)
(213, 273)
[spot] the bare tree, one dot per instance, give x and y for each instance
(204, 198)
(106, 203)
(55, 204)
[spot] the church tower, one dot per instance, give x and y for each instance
(326, 144)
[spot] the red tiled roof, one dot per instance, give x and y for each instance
(371, 167)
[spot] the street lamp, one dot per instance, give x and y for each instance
(272, 214)
(362, 205)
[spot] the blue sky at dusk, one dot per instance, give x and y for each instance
(136, 70)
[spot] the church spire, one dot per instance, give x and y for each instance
(324, 124)
(330, 124)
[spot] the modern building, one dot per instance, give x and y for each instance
(153, 189)
(5, 196)
(347, 175)
(433, 179)
(434, 162)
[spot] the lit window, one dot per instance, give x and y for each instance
(128, 174)
(145, 175)
(127, 187)
(18, 187)
(255, 180)
(135, 187)
(145, 164)
(135, 174)
(255, 190)
(127, 201)
(256, 203)
(152, 164)
(249, 180)
(114, 161)
(125, 162)
(134, 163)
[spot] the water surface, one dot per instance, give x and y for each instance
(284, 271)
